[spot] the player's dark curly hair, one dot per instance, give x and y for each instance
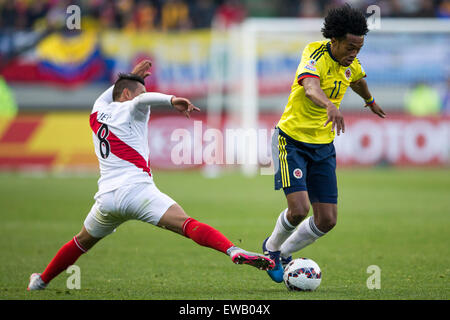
(343, 20)
(126, 80)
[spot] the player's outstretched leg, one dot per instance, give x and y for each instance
(175, 219)
(65, 257)
(207, 236)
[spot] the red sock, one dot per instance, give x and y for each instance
(66, 256)
(205, 235)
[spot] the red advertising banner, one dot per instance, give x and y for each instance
(397, 140)
(64, 141)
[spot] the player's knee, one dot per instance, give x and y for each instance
(85, 239)
(326, 223)
(298, 212)
(174, 219)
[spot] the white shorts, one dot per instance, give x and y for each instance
(141, 201)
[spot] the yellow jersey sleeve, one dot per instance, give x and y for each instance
(311, 64)
(358, 71)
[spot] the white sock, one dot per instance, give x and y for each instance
(283, 229)
(306, 234)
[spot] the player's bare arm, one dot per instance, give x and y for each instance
(314, 92)
(362, 89)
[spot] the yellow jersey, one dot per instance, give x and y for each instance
(302, 120)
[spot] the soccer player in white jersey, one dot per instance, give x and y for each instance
(119, 121)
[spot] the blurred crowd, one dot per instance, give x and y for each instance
(167, 15)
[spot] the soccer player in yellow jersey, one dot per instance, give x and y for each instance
(304, 154)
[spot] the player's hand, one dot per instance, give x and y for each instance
(184, 105)
(376, 109)
(142, 69)
(336, 119)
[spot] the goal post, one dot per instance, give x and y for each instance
(251, 31)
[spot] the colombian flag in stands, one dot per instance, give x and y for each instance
(62, 58)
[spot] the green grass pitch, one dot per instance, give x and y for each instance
(398, 220)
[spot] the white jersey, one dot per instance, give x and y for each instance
(120, 133)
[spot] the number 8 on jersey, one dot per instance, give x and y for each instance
(104, 147)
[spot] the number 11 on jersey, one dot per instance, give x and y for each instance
(336, 84)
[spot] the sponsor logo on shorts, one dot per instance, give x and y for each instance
(298, 173)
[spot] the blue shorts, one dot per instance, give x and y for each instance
(301, 166)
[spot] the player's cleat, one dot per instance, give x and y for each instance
(276, 274)
(285, 261)
(240, 256)
(36, 282)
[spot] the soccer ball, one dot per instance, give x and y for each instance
(302, 275)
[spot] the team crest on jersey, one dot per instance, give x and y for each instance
(348, 73)
(298, 174)
(311, 65)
